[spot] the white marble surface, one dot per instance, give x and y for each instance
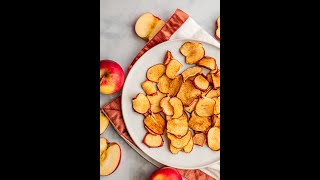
(119, 42)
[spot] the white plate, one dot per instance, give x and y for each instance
(199, 157)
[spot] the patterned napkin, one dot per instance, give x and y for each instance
(179, 26)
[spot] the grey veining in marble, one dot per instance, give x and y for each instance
(119, 42)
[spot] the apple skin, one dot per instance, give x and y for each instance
(166, 173)
(111, 77)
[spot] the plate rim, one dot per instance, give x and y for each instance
(161, 162)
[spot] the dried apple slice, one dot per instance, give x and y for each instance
(215, 70)
(164, 84)
(167, 109)
(216, 121)
(175, 86)
(193, 51)
(149, 88)
(200, 82)
(208, 62)
(188, 148)
(217, 34)
(178, 127)
(192, 71)
(209, 78)
(205, 106)
(141, 104)
(153, 141)
(213, 138)
(155, 101)
(217, 105)
(213, 93)
(180, 142)
(149, 130)
(204, 93)
(199, 123)
(199, 139)
(167, 57)
(188, 93)
(177, 107)
(155, 72)
(191, 107)
(155, 123)
(216, 80)
(174, 150)
(168, 118)
(172, 68)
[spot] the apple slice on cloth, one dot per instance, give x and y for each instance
(155, 72)
(213, 138)
(111, 77)
(153, 141)
(201, 83)
(104, 122)
(110, 157)
(193, 52)
(217, 34)
(148, 25)
(141, 104)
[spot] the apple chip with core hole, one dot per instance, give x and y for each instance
(167, 109)
(178, 127)
(205, 106)
(149, 88)
(216, 121)
(177, 107)
(188, 148)
(155, 102)
(153, 141)
(208, 62)
(155, 72)
(110, 157)
(175, 86)
(174, 150)
(213, 138)
(172, 68)
(216, 80)
(155, 123)
(188, 93)
(213, 93)
(190, 108)
(104, 122)
(199, 123)
(164, 84)
(200, 82)
(199, 139)
(149, 131)
(167, 57)
(180, 142)
(217, 105)
(193, 52)
(141, 104)
(191, 72)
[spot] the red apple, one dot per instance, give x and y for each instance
(111, 77)
(166, 173)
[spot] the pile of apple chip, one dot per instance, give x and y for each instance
(186, 105)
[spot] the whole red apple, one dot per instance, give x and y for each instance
(166, 173)
(111, 77)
